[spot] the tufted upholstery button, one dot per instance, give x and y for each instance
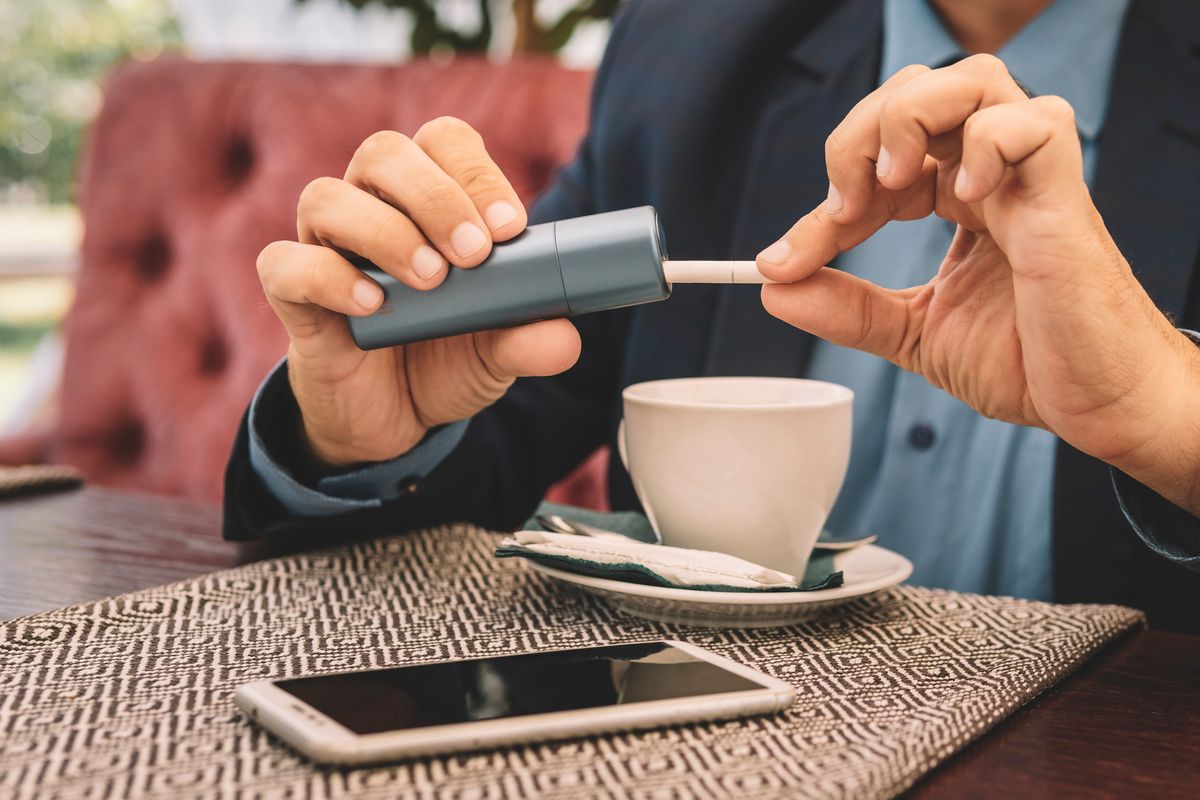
(153, 257)
(128, 442)
(238, 160)
(214, 355)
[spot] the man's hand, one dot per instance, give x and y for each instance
(1034, 316)
(416, 208)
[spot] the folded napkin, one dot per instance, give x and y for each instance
(38, 478)
(639, 560)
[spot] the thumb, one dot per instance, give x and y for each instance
(850, 312)
(540, 348)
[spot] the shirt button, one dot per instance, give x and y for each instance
(921, 436)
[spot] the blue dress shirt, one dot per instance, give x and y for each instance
(967, 499)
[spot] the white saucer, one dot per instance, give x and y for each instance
(865, 570)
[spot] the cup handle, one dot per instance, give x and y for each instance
(621, 444)
(658, 539)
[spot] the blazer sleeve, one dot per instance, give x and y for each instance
(509, 454)
(1165, 527)
(305, 487)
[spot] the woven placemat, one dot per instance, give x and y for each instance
(132, 696)
(36, 478)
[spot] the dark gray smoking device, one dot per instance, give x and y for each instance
(557, 269)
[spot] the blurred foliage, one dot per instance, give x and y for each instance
(22, 337)
(429, 33)
(53, 56)
(533, 35)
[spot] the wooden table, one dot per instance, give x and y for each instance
(1127, 725)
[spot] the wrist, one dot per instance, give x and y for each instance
(1169, 460)
(337, 430)
(333, 455)
(1187, 427)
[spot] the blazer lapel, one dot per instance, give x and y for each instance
(1148, 177)
(833, 68)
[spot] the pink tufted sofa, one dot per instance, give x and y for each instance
(189, 170)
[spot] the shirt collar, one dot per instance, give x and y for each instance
(1068, 50)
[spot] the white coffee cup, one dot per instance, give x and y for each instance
(745, 466)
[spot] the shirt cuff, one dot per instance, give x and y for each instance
(1165, 527)
(273, 416)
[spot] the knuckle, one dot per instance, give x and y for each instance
(985, 124)
(891, 108)
(380, 146)
(269, 259)
(836, 145)
(478, 178)
(317, 194)
(911, 71)
(1057, 108)
(316, 279)
(986, 64)
(446, 128)
(439, 196)
(394, 235)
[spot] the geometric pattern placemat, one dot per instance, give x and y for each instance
(132, 696)
(35, 478)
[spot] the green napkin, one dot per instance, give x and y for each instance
(819, 574)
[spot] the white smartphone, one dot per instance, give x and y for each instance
(384, 714)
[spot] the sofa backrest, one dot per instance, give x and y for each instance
(190, 169)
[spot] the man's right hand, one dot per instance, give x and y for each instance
(416, 208)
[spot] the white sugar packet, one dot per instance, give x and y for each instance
(676, 565)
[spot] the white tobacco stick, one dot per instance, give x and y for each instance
(713, 272)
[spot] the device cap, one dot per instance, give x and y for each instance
(612, 260)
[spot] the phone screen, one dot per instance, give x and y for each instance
(403, 698)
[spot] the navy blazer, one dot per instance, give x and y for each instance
(718, 118)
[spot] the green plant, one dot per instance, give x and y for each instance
(53, 56)
(532, 35)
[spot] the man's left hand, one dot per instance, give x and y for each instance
(1033, 317)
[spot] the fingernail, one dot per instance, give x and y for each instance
(427, 262)
(962, 181)
(776, 253)
(883, 164)
(467, 239)
(833, 203)
(499, 214)
(367, 294)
